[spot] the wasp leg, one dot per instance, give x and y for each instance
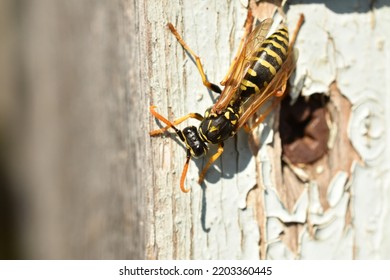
(247, 128)
(248, 28)
(264, 115)
(297, 28)
(170, 124)
(279, 95)
(209, 85)
(184, 173)
(210, 162)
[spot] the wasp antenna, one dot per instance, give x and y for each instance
(158, 116)
(164, 120)
(171, 27)
(184, 174)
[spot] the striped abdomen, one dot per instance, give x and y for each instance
(266, 62)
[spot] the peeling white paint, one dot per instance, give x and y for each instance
(275, 208)
(371, 202)
(337, 188)
(342, 51)
(367, 128)
(314, 195)
(277, 251)
(349, 50)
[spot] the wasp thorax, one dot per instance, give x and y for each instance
(217, 127)
(193, 142)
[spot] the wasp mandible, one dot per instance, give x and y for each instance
(259, 72)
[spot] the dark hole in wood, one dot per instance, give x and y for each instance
(304, 129)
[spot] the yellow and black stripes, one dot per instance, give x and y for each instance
(266, 62)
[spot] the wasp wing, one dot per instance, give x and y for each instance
(277, 84)
(242, 63)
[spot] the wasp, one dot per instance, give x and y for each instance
(258, 73)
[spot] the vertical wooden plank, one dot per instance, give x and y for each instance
(212, 221)
(78, 152)
(294, 212)
(9, 246)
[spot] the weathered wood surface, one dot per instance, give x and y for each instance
(207, 222)
(257, 207)
(85, 180)
(76, 131)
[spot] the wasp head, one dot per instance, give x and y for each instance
(194, 142)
